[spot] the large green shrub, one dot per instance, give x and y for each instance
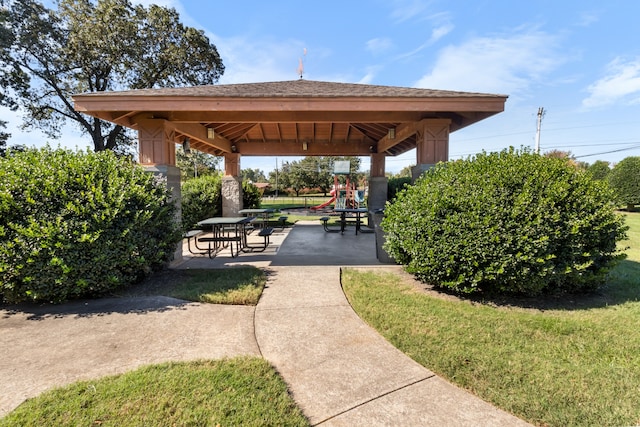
(251, 196)
(79, 224)
(509, 222)
(201, 199)
(625, 180)
(395, 185)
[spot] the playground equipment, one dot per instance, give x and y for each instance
(347, 196)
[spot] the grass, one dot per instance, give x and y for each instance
(240, 391)
(297, 202)
(238, 286)
(572, 363)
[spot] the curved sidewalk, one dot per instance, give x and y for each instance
(342, 372)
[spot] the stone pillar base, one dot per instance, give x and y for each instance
(231, 196)
(378, 187)
(417, 171)
(171, 175)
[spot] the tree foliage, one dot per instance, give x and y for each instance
(509, 222)
(95, 46)
(253, 175)
(313, 172)
(599, 170)
(625, 179)
(196, 163)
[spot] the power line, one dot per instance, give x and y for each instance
(609, 152)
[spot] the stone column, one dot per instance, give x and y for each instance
(378, 189)
(378, 182)
(157, 154)
(231, 185)
(432, 145)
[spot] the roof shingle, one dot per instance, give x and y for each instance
(296, 89)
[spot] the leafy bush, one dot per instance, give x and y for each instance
(79, 224)
(201, 198)
(625, 180)
(509, 222)
(395, 185)
(251, 196)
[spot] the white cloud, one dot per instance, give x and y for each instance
(441, 31)
(379, 45)
(620, 85)
(506, 64)
(587, 18)
(260, 60)
(405, 10)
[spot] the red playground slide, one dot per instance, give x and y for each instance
(325, 204)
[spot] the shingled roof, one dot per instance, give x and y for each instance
(276, 118)
(300, 88)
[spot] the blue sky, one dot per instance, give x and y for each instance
(579, 60)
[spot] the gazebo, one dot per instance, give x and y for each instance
(291, 118)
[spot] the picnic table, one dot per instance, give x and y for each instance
(358, 213)
(228, 232)
(223, 232)
(262, 215)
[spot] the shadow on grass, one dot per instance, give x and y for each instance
(94, 307)
(622, 286)
(153, 294)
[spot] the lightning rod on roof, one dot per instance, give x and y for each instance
(301, 63)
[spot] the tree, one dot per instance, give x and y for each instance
(96, 46)
(7, 78)
(253, 175)
(625, 180)
(405, 172)
(196, 163)
(599, 170)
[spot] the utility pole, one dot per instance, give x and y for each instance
(539, 125)
(276, 177)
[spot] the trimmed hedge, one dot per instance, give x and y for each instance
(79, 224)
(508, 222)
(201, 199)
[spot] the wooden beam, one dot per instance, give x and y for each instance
(402, 132)
(314, 148)
(92, 102)
(199, 132)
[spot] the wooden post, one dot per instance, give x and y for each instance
(433, 141)
(432, 145)
(156, 143)
(378, 164)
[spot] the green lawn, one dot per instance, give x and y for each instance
(236, 286)
(241, 391)
(298, 202)
(570, 362)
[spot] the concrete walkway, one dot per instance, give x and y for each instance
(340, 371)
